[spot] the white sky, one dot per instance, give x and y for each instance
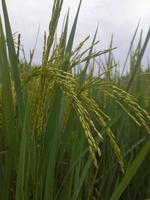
(119, 17)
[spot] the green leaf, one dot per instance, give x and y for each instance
(13, 60)
(131, 171)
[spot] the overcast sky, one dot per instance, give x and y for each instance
(119, 17)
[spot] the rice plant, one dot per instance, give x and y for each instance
(66, 133)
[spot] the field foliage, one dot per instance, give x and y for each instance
(66, 132)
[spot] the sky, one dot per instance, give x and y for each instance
(119, 17)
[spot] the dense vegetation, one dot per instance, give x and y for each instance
(67, 133)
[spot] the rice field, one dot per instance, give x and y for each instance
(66, 132)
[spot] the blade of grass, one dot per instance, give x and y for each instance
(13, 60)
(8, 111)
(72, 36)
(131, 171)
(21, 170)
(139, 60)
(130, 48)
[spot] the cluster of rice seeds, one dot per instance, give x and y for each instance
(37, 106)
(103, 119)
(116, 149)
(86, 122)
(126, 102)
(93, 83)
(140, 114)
(69, 86)
(41, 95)
(52, 28)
